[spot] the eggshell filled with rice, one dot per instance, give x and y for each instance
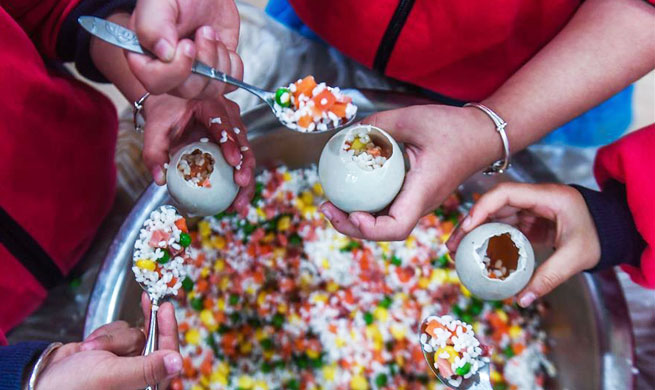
(361, 169)
(200, 180)
(494, 261)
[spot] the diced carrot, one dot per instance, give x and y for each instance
(176, 384)
(172, 282)
(206, 183)
(206, 367)
(157, 237)
(339, 109)
(258, 276)
(181, 224)
(220, 317)
(183, 327)
(202, 285)
(518, 348)
(444, 368)
(375, 152)
(305, 87)
(447, 226)
(332, 328)
(432, 327)
(324, 100)
(305, 121)
(208, 303)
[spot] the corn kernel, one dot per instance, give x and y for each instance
(146, 264)
(358, 382)
(410, 242)
(218, 242)
(204, 272)
(220, 304)
(464, 290)
(192, 336)
(318, 189)
(219, 265)
(452, 354)
(245, 382)
(397, 332)
(423, 282)
(320, 298)
(340, 342)
(332, 287)
(325, 264)
(197, 387)
(204, 229)
(261, 298)
(223, 368)
(261, 385)
(381, 314)
(284, 223)
(286, 176)
(502, 315)
(439, 275)
(218, 378)
(260, 213)
(452, 276)
(515, 331)
(207, 318)
(282, 308)
(312, 354)
(245, 348)
(495, 376)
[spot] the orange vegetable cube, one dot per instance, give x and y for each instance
(339, 109)
(305, 121)
(324, 100)
(181, 224)
(305, 87)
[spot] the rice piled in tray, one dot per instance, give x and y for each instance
(281, 300)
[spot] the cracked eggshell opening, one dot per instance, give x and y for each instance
(201, 201)
(352, 188)
(470, 266)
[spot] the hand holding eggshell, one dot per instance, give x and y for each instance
(361, 169)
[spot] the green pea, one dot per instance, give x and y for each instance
(266, 368)
(235, 317)
(278, 97)
(316, 363)
(463, 370)
(295, 239)
(234, 299)
(386, 302)
(466, 317)
(368, 318)
(267, 344)
(293, 385)
(302, 361)
(497, 304)
(439, 212)
(476, 307)
(278, 320)
(222, 329)
(164, 258)
(196, 304)
(187, 284)
(185, 239)
(443, 261)
(508, 351)
(395, 260)
(500, 386)
(280, 364)
(456, 310)
(381, 380)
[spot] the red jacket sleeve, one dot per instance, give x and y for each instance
(631, 161)
(41, 19)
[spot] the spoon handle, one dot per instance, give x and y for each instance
(152, 339)
(125, 38)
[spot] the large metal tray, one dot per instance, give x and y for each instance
(588, 322)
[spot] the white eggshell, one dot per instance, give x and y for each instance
(201, 201)
(469, 265)
(353, 188)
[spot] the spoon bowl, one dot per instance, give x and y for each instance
(479, 381)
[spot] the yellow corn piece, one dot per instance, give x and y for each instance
(502, 315)
(312, 354)
(452, 354)
(464, 290)
(245, 382)
(329, 372)
(146, 264)
(397, 332)
(423, 282)
(495, 376)
(325, 263)
(261, 385)
(318, 189)
(260, 213)
(358, 382)
(204, 272)
(207, 318)
(381, 314)
(283, 223)
(261, 298)
(245, 348)
(515, 331)
(332, 287)
(223, 368)
(192, 336)
(358, 145)
(307, 198)
(219, 265)
(218, 378)
(218, 242)
(286, 176)
(204, 229)
(439, 275)
(197, 387)
(282, 308)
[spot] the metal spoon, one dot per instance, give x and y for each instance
(479, 381)
(122, 37)
(152, 338)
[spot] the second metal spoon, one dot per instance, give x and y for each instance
(124, 38)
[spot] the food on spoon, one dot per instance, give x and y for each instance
(160, 253)
(200, 180)
(451, 346)
(281, 300)
(495, 261)
(308, 106)
(361, 169)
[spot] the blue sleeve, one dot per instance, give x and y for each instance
(283, 12)
(14, 359)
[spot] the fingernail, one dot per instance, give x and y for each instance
(209, 33)
(189, 51)
(354, 220)
(164, 50)
(173, 364)
(158, 175)
(326, 212)
(527, 299)
(466, 223)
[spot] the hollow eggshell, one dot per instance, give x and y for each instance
(201, 201)
(469, 265)
(352, 188)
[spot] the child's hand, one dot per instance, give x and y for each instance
(555, 213)
(163, 26)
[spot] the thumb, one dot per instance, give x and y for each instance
(143, 371)
(554, 271)
(156, 27)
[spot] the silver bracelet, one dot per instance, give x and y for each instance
(138, 118)
(40, 364)
(499, 166)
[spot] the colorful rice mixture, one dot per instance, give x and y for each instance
(308, 106)
(196, 168)
(160, 253)
(364, 151)
(451, 347)
(281, 300)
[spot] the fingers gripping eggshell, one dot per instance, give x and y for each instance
(494, 261)
(200, 180)
(361, 169)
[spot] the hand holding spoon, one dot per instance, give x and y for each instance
(126, 39)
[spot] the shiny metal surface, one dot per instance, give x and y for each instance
(588, 324)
